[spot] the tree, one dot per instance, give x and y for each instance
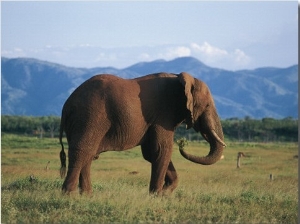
(52, 124)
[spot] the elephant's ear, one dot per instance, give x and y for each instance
(188, 82)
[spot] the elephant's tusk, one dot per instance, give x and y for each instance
(218, 138)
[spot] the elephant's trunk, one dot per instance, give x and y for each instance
(216, 149)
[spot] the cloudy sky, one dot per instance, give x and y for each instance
(230, 35)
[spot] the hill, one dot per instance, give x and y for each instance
(34, 87)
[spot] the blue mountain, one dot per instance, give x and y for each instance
(34, 87)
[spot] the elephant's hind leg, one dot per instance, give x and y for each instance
(85, 184)
(78, 171)
(171, 179)
(71, 182)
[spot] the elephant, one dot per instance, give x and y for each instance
(109, 113)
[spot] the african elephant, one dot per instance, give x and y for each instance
(108, 113)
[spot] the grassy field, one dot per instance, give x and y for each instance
(220, 193)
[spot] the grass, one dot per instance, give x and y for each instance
(220, 193)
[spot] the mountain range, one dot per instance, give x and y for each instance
(39, 88)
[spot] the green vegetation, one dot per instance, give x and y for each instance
(251, 130)
(221, 193)
(35, 126)
(247, 129)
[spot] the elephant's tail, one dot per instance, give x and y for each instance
(62, 153)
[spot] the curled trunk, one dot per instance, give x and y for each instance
(216, 150)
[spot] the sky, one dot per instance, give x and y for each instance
(230, 35)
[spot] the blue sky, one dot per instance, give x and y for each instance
(230, 35)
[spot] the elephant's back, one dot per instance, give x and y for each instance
(99, 90)
(104, 78)
(159, 75)
(98, 84)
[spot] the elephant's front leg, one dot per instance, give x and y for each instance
(171, 179)
(158, 172)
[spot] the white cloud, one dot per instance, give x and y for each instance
(86, 55)
(211, 55)
(241, 57)
(18, 50)
(15, 52)
(174, 52)
(144, 56)
(85, 45)
(220, 58)
(208, 50)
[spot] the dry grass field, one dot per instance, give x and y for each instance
(220, 193)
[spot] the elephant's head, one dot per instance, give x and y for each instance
(203, 117)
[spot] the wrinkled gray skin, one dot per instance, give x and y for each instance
(107, 113)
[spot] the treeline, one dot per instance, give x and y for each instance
(235, 129)
(253, 130)
(47, 126)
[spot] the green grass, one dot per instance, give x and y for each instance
(12, 141)
(220, 193)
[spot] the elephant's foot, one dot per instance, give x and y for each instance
(170, 186)
(74, 191)
(171, 179)
(69, 189)
(156, 190)
(166, 190)
(85, 183)
(162, 193)
(85, 188)
(71, 182)
(156, 193)
(86, 192)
